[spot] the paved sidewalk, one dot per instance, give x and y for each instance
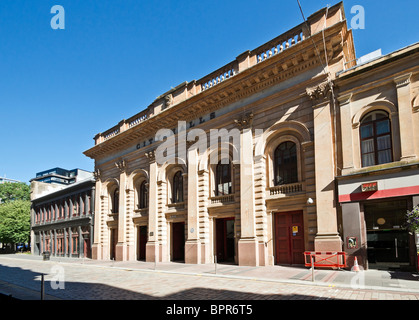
(379, 283)
(370, 279)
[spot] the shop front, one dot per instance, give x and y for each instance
(374, 208)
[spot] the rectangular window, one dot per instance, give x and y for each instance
(75, 244)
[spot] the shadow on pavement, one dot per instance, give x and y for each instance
(27, 286)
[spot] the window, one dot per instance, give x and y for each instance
(285, 164)
(177, 188)
(115, 203)
(376, 145)
(143, 195)
(75, 244)
(223, 179)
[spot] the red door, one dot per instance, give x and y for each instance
(142, 241)
(178, 241)
(289, 238)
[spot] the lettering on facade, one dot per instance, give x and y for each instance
(368, 187)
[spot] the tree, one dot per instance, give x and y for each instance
(14, 191)
(412, 219)
(15, 221)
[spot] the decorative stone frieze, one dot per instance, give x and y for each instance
(245, 122)
(320, 92)
(96, 174)
(121, 165)
(151, 156)
(168, 100)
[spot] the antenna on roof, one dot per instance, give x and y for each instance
(302, 13)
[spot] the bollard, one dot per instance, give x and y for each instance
(42, 287)
(215, 263)
(312, 268)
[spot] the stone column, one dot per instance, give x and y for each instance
(152, 246)
(193, 243)
(121, 246)
(70, 244)
(327, 238)
(54, 234)
(65, 242)
(65, 208)
(248, 243)
(81, 242)
(407, 134)
(86, 203)
(97, 213)
(70, 207)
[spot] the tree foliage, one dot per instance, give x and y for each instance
(14, 191)
(412, 219)
(15, 208)
(15, 221)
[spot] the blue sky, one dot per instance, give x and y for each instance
(59, 88)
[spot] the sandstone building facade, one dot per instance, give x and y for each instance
(266, 184)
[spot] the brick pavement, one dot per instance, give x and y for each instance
(107, 280)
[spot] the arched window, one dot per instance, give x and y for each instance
(223, 179)
(376, 146)
(143, 195)
(115, 202)
(285, 163)
(177, 188)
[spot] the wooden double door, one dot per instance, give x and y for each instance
(113, 242)
(225, 246)
(141, 242)
(178, 241)
(289, 238)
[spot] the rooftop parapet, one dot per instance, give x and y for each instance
(317, 22)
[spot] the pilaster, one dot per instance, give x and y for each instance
(193, 243)
(97, 245)
(121, 246)
(327, 238)
(152, 246)
(407, 136)
(247, 244)
(346, 133)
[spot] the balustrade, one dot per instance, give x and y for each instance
(281, 43)
(222, 199)
(286, 189)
